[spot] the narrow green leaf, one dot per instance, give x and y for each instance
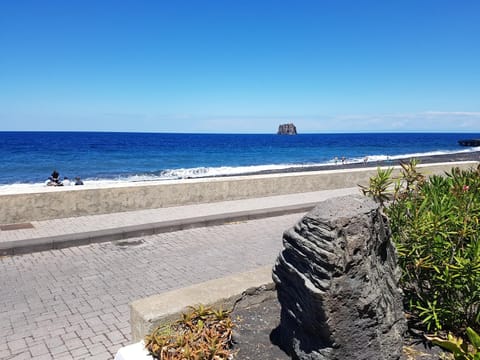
(473, 337)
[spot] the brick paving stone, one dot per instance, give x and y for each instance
(17, 345)
(24, 355)
(98, 349)
(102, 356)
(43, 357)
(59, 350)
(74, 343)
(38, 350)
(115, 336)
(74, 301)
(80, 352)
(63, 356)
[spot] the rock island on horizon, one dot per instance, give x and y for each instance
(287, 129)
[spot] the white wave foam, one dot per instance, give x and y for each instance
(198, 172)
(228, 170)
(373, 158)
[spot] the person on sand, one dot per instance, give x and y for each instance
(343, 160)
(365, 160)
(78, 181)
(66, 181)
(54, 179)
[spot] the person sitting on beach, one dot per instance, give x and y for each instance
(66, 181)
(54, 179)
(78, 181)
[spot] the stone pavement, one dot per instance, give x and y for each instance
(74, 231)
(72, 303)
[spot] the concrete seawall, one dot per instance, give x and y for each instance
(53, 203)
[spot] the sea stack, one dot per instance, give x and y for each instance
(287, 129)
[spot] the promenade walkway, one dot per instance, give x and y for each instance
(74, 231)
(72, 303)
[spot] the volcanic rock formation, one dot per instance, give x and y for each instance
(337, 283)
(287, 129)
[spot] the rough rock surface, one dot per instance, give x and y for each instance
(287, 129)
(255, 315)
(336, 281)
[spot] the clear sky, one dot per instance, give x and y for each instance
(240, 66)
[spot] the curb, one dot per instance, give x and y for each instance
(25, 246)
(162, 309)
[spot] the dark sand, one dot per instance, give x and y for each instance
(446, 158)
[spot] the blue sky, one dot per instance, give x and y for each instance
(240, 66)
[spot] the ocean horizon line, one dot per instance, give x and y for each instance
(244, 133)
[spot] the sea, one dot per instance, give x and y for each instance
(28, 158)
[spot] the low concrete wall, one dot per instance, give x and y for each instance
(159, 310)
(53, 203)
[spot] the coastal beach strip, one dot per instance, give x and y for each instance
(29, 158)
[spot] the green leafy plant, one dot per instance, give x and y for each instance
(434, 225)
(379, 186)
(411, 178)
(202, 333)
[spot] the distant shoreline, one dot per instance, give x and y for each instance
(431, 159)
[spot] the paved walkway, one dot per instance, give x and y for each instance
(72, 303)
(60, 233)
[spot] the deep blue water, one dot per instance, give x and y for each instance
(30, 157)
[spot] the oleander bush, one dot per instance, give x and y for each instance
(435, 225)
(201, 334)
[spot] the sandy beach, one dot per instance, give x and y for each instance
(444, 158)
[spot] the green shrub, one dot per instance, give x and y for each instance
(435, 224)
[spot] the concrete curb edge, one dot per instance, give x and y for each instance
(24, 246)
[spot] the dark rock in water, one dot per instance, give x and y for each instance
(287, 129)
(337, 282)
(469, 142)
